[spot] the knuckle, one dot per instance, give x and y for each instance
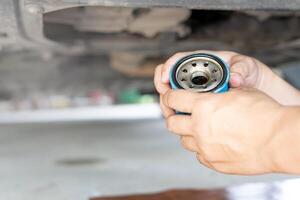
(201, 158)
(184, 142)
(238, 57)
(243, 64)
(213, 161)
(170, 123)
(167, 98)
(249, 60)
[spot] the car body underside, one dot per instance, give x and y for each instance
(136, 35)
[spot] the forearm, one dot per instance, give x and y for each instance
(285, 145)
(278, 89)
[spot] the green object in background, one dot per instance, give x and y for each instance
(129, 96)
(147, 99)
(133, 96)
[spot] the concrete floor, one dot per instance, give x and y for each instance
(79, 160)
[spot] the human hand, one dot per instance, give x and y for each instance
(247, 154)
(245, 72)
(230, 132)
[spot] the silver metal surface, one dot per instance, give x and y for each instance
(209, 73)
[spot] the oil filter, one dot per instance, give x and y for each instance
(200, 72)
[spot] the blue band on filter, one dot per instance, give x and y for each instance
(225, 86)
(220, 89)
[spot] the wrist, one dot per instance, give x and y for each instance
(284, 147)
(277, 88)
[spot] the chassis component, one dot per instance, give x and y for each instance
(22, 20)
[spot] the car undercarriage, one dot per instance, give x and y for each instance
(132, 37)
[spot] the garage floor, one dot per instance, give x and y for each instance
(79, 160)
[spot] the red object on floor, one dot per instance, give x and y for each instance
(280, 190)
(174, 195)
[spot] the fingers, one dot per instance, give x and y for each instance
(189, 143)
(180, 124)
(236, 80)
(166, 111)
(243, 68)
(183, 100)
(160, 87)
(180, 100)
(203, 161)
(239, 71)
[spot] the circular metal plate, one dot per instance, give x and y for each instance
(203, 68)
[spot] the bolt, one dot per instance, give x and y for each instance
(35, 9)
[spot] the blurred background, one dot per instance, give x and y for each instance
(79, 113)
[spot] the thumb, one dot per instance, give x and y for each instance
(244, 71)
(236, 80)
